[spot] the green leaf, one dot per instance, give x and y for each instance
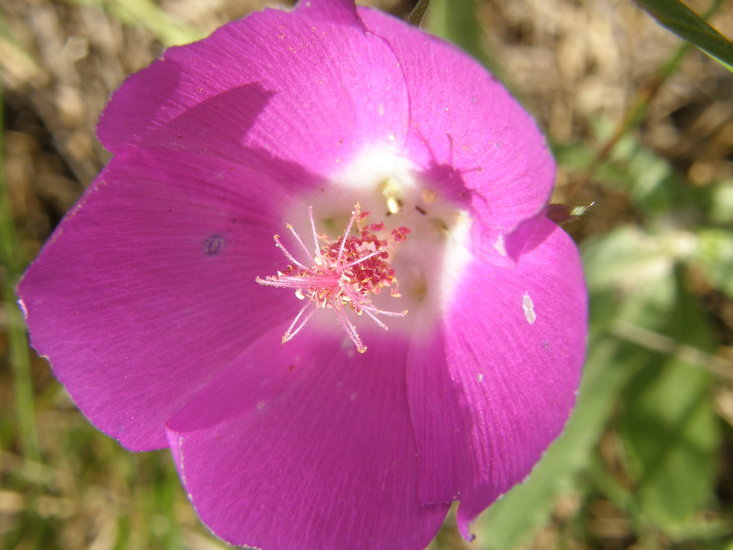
(714, 257)
(627, 259)
(686, 24)
(669, 428)
(670, 433)
(721, 202)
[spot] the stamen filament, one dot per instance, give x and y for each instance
(363, 258)
(295, 282)
(356, 212)
(350, 329)
(300, 241)
(315, 233)
(386, 313)
(287, 254)
(290, 333)
(376, 319)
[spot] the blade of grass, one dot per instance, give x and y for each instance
(143, 12)
(12, 263)
(146, 14)
(456, 21)
(685, 23)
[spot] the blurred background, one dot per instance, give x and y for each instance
(642, 127)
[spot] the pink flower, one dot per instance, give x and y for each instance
(146, 299)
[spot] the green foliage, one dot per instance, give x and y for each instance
(11, 264)
(668, 426)
(685, 23)
(714, 256)
(669, 429)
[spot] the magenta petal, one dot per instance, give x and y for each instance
(465, 126)
(513, 343)
(304, 446)
(316, 113)
(146, 289)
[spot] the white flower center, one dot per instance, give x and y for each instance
(413, 237)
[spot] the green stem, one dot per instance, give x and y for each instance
(632, 119)
(19, 358)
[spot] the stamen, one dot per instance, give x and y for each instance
(356, 212)
(315, 234)
(344, 272)
(290, 333)
(387, 313)
(284, 250)
(300, 241)
(364, 258)
(376, 319)
(350, 329)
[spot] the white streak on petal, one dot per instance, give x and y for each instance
(528, 308)
(500, 246)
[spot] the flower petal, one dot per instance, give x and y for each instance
(319, 113)
(468, 133)
(145, 290)
(513, 342)
(309, 445)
